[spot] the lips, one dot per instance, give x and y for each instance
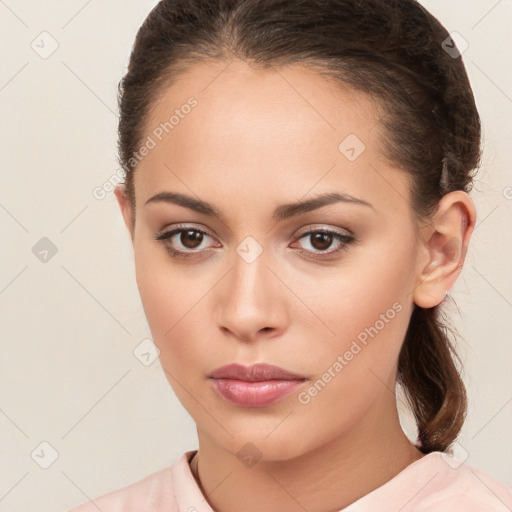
(259, 385)
(254, 373)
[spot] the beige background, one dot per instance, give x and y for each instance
(69, 327)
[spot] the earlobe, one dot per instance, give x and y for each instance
(445, 248)
(125, 207)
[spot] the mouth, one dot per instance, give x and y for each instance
(258, 385)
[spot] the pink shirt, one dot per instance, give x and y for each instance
(437, 482)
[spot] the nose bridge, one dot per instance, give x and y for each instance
(250, 301)
(250, 275)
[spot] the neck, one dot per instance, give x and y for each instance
(328, 478)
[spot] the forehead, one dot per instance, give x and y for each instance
(239, 96)
(255, 132)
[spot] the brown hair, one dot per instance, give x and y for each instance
(393, 50)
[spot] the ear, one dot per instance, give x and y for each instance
(126, 209)
(445, 242)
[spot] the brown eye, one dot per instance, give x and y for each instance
(191, 238)
(321, 241)
(184, 242)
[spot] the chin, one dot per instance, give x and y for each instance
(251, 445)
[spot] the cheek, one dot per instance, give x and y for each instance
(173, 314)
(361, 311)
(172, 302)
(357, 364)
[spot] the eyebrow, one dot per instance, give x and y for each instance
(282, 212)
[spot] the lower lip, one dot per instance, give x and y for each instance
(254, 394)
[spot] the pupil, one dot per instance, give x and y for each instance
(324, 240)
(191, 239)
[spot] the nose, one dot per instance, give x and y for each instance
(250, 303)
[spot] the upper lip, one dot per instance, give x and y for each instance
(255, 372)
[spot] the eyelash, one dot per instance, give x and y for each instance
(345, 241)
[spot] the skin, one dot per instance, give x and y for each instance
(258, 139)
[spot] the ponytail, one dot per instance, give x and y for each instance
(431, 381)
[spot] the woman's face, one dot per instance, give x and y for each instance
(256, 287)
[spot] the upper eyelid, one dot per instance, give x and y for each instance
(179, 228)
(313, 227)
(323, 227)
